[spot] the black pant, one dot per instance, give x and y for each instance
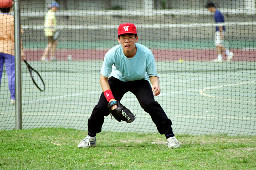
(143, 92)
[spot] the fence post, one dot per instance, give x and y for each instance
(18, 88)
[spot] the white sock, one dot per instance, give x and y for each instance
(219, 57)
(227, 52)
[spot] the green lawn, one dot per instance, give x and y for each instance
(56, 148)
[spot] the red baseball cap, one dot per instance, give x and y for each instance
(127, 28)
(6, 3)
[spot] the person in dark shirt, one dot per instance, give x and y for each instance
(220, 33)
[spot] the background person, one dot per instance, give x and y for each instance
(129, 65)
(220, 33)
(50, 24)
(7, 45)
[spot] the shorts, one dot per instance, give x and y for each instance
(50, 39)
(218, 40)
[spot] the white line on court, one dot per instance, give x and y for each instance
(139, 116)
(60, 97)
(212, 77)
(163, 94)
(217, 117)
(53, 98)
(202, 91)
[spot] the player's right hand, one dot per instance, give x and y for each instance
(23, 57)
(114, 106)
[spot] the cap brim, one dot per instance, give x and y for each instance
(127, 33)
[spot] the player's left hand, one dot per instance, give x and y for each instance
(156, 89)
(121, 113)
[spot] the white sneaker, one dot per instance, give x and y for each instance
(87, 142)
(44, 59)
(172, 142)
(217, 60)
(12, 102)
(230, 56)
(53, 59)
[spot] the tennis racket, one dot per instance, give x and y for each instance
(36, 77)
(56, 35)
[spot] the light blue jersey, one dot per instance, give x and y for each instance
(139, 67)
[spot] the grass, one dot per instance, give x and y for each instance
(56, 148)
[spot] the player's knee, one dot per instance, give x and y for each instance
(147, 105)
(100, 111)
(219, 46)
(55, 43)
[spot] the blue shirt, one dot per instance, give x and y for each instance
(139, 67)
(219, 18)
